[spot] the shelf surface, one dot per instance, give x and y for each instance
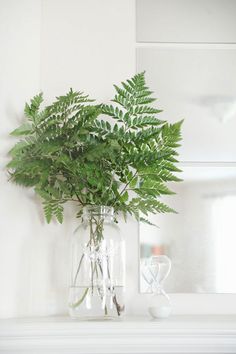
(177, 334)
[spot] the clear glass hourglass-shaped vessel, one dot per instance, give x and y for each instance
(154, 271)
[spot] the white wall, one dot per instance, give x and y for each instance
(19, 72)
(20, 63)
(51, 46)
(87, 45)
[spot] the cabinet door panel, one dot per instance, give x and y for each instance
(197, 84)
(186, 21)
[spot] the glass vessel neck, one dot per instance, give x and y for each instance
(98, 212)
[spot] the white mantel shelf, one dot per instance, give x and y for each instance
(178, 334)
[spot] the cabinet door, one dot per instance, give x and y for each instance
(198, 84)
(208, 21)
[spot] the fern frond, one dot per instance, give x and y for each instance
(32, 109)
(48, 212)
(24, 129)
(146, 221)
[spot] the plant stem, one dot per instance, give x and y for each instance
(124, 189)
(79, 302)
(80, 263)
(96, 236)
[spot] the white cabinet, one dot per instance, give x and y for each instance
(197, 84)
(188, 50)
(209, 21)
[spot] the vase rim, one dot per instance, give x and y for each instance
(98, 210)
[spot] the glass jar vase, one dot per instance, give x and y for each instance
(97, 266)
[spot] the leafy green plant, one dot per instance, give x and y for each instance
(118, 155)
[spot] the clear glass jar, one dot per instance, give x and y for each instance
(97, 266)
